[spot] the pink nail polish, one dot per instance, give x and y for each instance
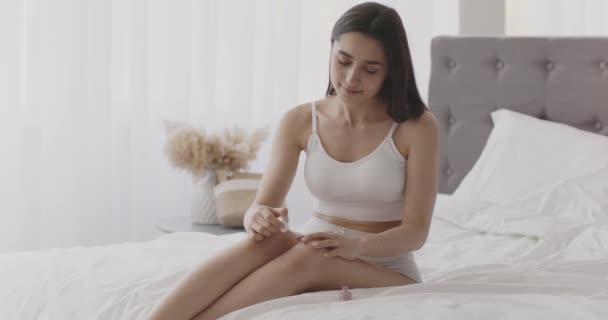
(345, 294)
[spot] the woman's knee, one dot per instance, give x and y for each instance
(275, 245)
(302, 259)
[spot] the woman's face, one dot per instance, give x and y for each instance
(358, 66)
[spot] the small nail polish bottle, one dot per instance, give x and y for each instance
(345, 294)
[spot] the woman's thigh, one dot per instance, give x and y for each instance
(378, 269)
(301, 269)
(331, 273)
(270, 247)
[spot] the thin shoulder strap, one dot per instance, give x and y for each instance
(393, 127)
(314, 117)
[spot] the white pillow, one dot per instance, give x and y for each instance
(525, 154)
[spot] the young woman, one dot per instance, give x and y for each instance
(371, 166)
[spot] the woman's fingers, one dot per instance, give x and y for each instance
(325, 244)
(332, 253)
(272, 219)
(261, 229)
(281, 212)
(254, 235)
(255, 228)
(266, 224)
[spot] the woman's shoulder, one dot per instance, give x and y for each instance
(298, 121)
(298, 116)
(424, 127)
(423, 124)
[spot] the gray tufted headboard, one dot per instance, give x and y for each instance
(559, 79)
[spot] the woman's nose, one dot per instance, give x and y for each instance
(352, 76)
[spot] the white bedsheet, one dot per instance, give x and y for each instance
(475, 265)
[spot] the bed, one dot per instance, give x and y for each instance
(520, 229)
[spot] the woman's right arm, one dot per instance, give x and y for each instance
(261, 220)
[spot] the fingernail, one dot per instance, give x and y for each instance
(326, 255)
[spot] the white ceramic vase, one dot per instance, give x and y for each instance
(203, 201)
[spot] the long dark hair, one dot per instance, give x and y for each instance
(383, 23)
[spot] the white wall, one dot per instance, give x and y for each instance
(482, 17)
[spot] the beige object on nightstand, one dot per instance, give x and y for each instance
(224, 175)
(234, 194)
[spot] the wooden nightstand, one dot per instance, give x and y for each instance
(183, 224)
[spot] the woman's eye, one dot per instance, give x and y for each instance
(345, 63)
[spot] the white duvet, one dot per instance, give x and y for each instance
(544, 256)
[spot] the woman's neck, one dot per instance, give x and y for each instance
(356, 114)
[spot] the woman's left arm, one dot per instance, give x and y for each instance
(419, 195)
(419, 201)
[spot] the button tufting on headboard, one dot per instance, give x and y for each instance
(464, 104)
(449, 172)
(499, 64)
(451, 63)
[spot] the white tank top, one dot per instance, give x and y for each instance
(369, 189)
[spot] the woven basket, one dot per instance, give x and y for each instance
(234, 194)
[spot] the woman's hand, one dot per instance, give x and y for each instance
(336, 245)
(262, 221)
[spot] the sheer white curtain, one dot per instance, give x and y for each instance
(557, 17)
(85, 85)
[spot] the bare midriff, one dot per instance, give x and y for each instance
(365, 226)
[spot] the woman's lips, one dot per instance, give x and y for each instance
(351, 92)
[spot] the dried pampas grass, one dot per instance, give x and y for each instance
(196, 151)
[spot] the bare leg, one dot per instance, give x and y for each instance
(263, 284)
(301, 269)
(207, 282)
